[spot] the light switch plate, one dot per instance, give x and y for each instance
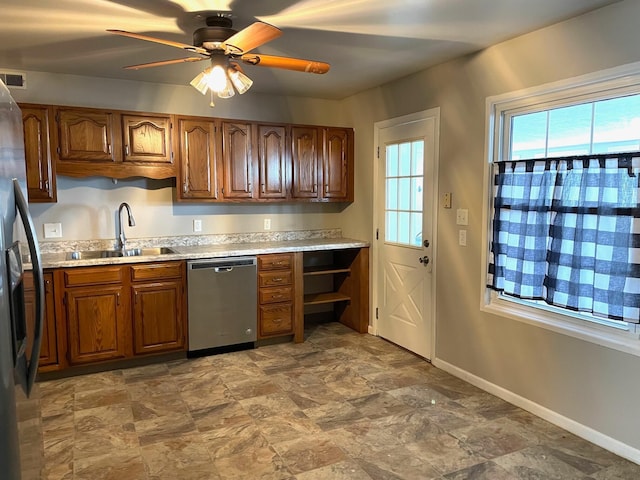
(267, 224)
(462, 216)
(462, 238)
(446, 200)
(52, 230)
(197, 225)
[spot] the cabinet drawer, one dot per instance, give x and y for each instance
(276, 319)
(153, 271)
(92, 276)
(274, 295)
(275, 262)
(275, 279)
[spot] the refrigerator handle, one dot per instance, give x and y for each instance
(38, 282)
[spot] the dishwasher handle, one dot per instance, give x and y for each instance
(222, 265)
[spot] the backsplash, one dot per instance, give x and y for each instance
(190, 240)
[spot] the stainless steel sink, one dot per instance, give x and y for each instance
(130, 252)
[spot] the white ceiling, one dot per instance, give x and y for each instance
(367, 42)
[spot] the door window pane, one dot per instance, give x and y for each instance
(392, 193)
(392, 161)
(404, 193)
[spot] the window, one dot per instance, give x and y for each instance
(563, 243)
(403, 203)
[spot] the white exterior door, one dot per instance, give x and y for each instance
(406, 197)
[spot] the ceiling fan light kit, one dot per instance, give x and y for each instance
(225, 46)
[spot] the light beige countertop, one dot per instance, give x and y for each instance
(256, 245)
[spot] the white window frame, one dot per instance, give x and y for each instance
(499, 109)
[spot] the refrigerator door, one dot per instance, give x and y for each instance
(20, 423)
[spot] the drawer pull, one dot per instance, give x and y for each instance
(275, 296)
(277, 320)
(277, 279)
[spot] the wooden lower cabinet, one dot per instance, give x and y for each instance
(158, 307)
(118, 312)
(49, 349)
(275, 295)
(97, 324)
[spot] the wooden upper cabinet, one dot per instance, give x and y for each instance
(147, 139)
(237, 160)
(86, 135)
(305, 150)
(198, 176)
(337, 168)
(41, 177)
(272, 162)
(110, 143)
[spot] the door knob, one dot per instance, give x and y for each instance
(424, 260)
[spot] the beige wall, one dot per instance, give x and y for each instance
(592, 385)
(86, 207)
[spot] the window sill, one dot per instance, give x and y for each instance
(610, 337)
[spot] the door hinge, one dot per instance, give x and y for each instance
(376, 313)
(377, 233)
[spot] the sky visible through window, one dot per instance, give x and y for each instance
(605, 126)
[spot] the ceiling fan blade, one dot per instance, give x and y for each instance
(253, 36)
(298, 64)
(165, 62)
(184, 46)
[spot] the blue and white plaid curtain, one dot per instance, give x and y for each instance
(567, 231)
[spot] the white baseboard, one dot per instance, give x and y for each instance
(589, 434)
(371, 330)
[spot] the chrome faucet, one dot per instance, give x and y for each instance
(122, 240)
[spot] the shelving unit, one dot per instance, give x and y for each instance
(335, 285)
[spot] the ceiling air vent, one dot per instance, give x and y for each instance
(14, 79)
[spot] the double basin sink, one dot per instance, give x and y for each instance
(129, 252)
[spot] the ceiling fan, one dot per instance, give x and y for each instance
(226, 48)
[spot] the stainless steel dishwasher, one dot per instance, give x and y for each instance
(222, 302)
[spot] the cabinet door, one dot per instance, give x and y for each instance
(97, 324)
(87, 136)
(41, 179)
(158, 319)
(49, 348)
(197, 159)
(147, 139)
(337, 163)
(304, 161)
(272, 161)
(237, 163)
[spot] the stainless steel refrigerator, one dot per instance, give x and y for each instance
(21, 449)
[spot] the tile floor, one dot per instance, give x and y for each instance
(339, 406)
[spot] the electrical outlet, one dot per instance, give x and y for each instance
(267, 224)
(462, 238)
(52, 230)
(446, 200)
(197, 225)
(462, 216)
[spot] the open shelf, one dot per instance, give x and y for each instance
(325, 269)
(325, 297)
(335, 284)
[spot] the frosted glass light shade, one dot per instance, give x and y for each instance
(239, 80)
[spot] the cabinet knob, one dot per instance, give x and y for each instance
(184, 187)
(126, 150)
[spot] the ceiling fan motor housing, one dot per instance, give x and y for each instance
(218, 29)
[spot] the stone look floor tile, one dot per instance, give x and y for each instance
(341, 405)
(309, 453)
